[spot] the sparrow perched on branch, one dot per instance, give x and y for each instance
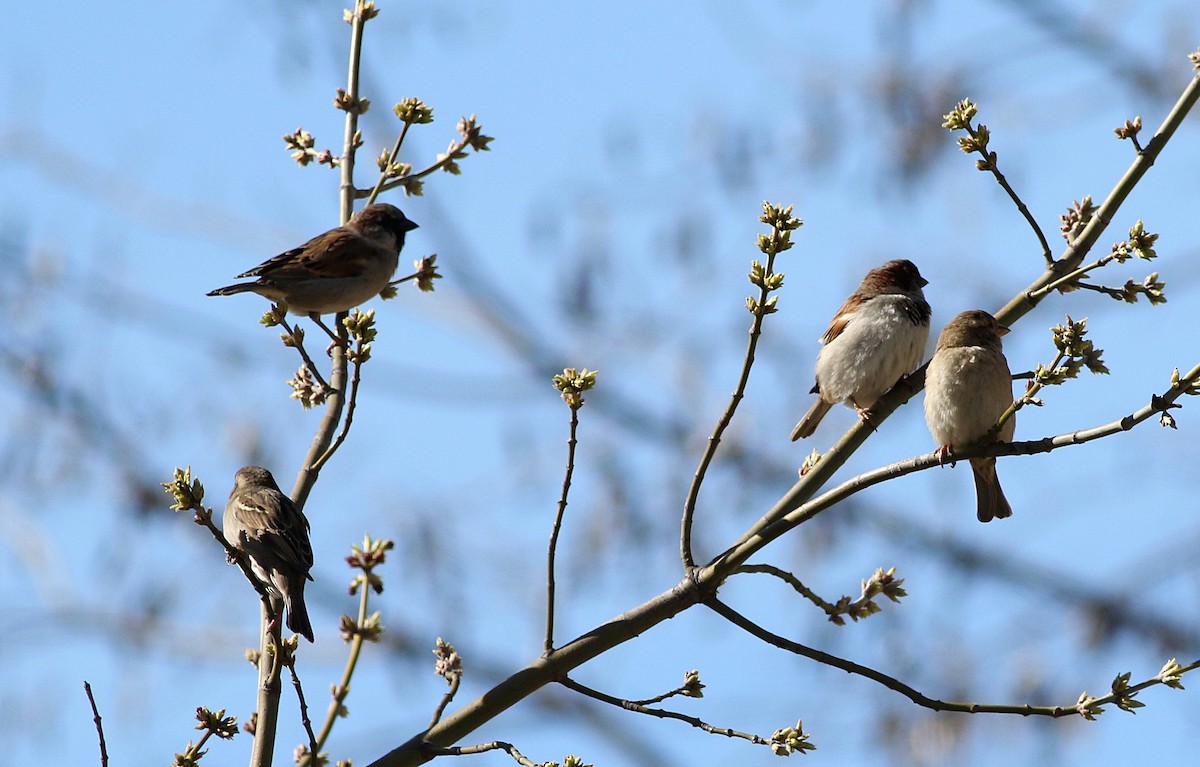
(263, 523)
(335, 271)
(968, 387)
(876, 337)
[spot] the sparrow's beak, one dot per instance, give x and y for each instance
(1003, 331)
(924, 282)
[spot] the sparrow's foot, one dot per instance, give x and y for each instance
(335, 344)
(943, 454)
(335, 340)
(867, 417)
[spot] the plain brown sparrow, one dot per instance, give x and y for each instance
(968, 387)
(263, 523)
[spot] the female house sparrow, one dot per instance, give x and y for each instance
(335, 271)
(967, 388)
(876, 337)
(263, 523)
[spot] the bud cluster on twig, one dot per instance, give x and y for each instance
(572, 383)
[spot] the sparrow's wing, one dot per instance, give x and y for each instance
(336, 253)
(275, 529)
(843, 317)
(285, 260)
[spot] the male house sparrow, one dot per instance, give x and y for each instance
(335, 271)
(967, 388)
(263, 523)
(876, 337)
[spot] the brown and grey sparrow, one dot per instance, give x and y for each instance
(968, 387)
(335, 271)
(877, 337)
(263, 523)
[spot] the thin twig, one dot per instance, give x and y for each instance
(346, 190)
(779, 237)
(366, 558)
(1106, 290)
(404, 181)
(1069, 278)
(447, 697)
(496, 745)
(99, 727)
(351, 405)
(989, 163)
(290, 662)
(548, 645)
(828, 607)
(1032, 388)
(383, 174)
(686, 690)
(297, 341)
(661, 713)
(341, 690)
(194, 751)
(1086, 706)
(402, 280)
(882, 583)
(204, 517)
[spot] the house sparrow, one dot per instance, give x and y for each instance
(335, 271)
(263, 523)
(967, 388)
(876, 337)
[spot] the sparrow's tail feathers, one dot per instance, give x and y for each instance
(989, 495)
(808, 424)
(229, 290)
(297, 613)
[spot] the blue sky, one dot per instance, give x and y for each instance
(143, 166)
